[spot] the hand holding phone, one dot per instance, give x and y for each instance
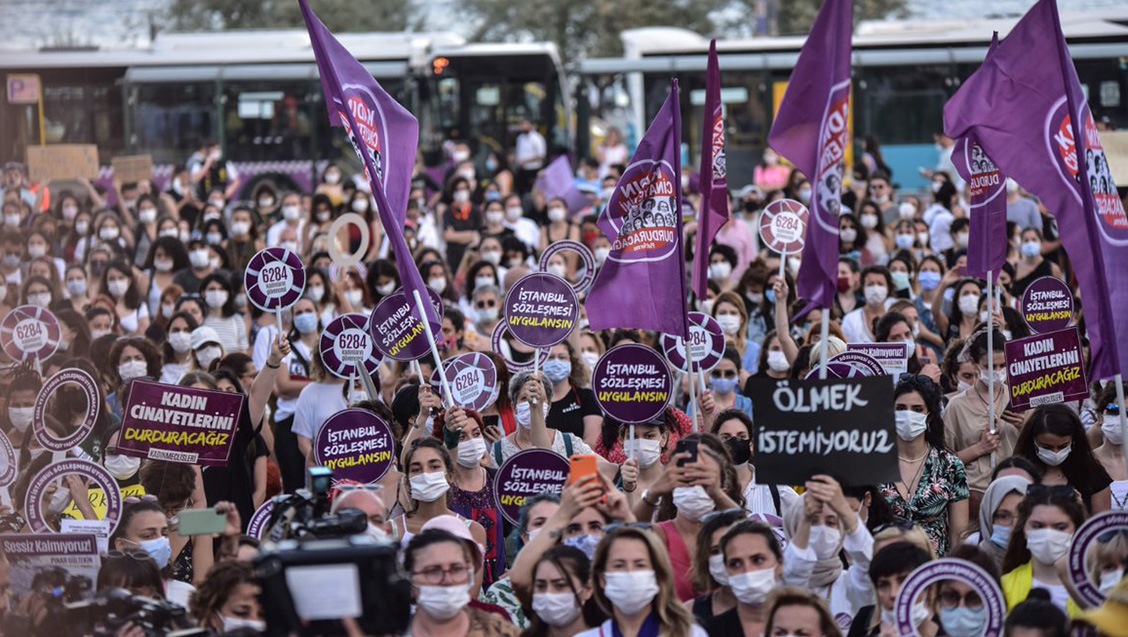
(581, 467)
(201, 522)
(687, 447)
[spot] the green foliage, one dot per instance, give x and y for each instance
(797, 16)
(338, 15)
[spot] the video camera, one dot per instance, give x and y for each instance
(304, 515)
(57, 588)
(111, 609)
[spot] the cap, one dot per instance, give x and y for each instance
(457, 527)
(14, 165)
(750, 189)
(1111, 617)
(202, 336)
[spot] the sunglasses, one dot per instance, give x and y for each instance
(140, 556)
(1108, 536)
(139, 499)
(735, 514)
(484, 304)
(642, 526)
(1060, 490)
(903, 526)
(725, 373)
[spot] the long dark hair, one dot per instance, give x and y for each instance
(132, 297)
(730, 482)
(575, 565)
(1080, 468)
(928, 390)
(1062, 497)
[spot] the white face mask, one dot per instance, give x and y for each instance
(36, 251)
(180, 342)
(998, 378)
(876, 294)
(360, 205)
(163, 265)
(969, 304)
(556, 214)
(513, 213)
(920, 613)
(730, 323)
(354, 297)
(589, 359)
(291, 213)
(231, 624)
(557, 269)
(205, 356)
(630, 591)
(21, 417)
(910, 424)
(1052, 458)
(556, 609)
(524, 414)
(1048, 545)
(693, 502)
(215, 298)
(444, 602)
(824, 541)
(240, 228)
(777, 361)
(315, 293)
(199, 258)
(132, 369)
(848, 235)
(42, 299)
(121, 467)
(1109, 581)
(470, 452)
(717, 569)
(647, 452)
(428, 487)
(753, 587)
(1110, 429)
(108, 233)
(438, 284)
(118, 287)
(720, 271)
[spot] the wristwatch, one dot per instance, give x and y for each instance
(646, 499)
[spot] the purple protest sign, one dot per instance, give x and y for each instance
(1047, 305)
(541, 309)
(8, 464)
(274, 279)
(632, 383)
(346, 343)
(783, 226)
(30, 332)
(849, 365)
(1045, 368)
(584, 283)
(1103, 525)
(986, 185)
(179, 424)
(497, 342)
(37, 488)
(950, 569)
(396, 329)
(707, 343)
(256, 526)
(472, 378)
(93, 401)
(355, 444)
(893, 357)
(524, 475)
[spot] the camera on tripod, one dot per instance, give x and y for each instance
(304, 515)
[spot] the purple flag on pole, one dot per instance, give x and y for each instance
(812, 132)
(642, 283)
(1027, 110)
(384, 135)
(559, 181)
(714, 211)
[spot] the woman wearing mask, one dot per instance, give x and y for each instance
(146, 229)
(79, 239)
(426, 491)
(108, 232)
(38, 291)
(1047, 519)
(166, 257)
(462, 220)
(131, 358)
(494, 218)
(591, 349)
(561, 595)
(74, 334)
(318, 291)
(199, 260)
(266, 202)
(322, 397)
(895, 327)
(351, 295)
(997, 515)
(293, 377)
(1032, 266)
(963, 310)
(932, 490)
(857, 326)
(525, 229)
(645, 453)
(381, 280)
(481, 275)
(437, 276)
(574, 409)
(929, 274)
(177, 349)
(559, 226)
(724, 385)
(143, 526)
(852, 241)
(40, 246)
(901, 271)
(711, 575)
(96, 267)
(773, 361)
(120, 283)
(228, 599)
(471, 490)
(753, 563)
(1111, 452)
(76, 285)
(729, 311)
(891, 566)
(1054, 440)
(229, 326)
(734, 428)
(206, 348)
(877, 243)
(244, 241)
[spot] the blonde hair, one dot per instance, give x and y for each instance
(673, 618)
(834, 347)
(792, 596)
(915, 536)
(1102, 553)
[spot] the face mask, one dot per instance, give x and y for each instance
(240, 228)
(169, 232)
(869, 222)
(557, 371)
(199, 259)
(717, 569)
(589, 359)
(1031, 249)
(753, 587)
(961, 240)
(354, 297)
(159, 549)
(291, 213)
(118, 287)
(180, 342)
(1052, 458)
(556, 214)
(1109, 581)
(1000, 536)
(876, 294)
(97, 334)
(963, 386)
(306, 322)
(630, 591)
(121, 467)
(12, 260)
(357, 396)
(376, 534)
(21, 417)
(461, 196)
(900, 280)
(382, 290)
(848, 235)
(963, 622)
(428, 487)
(215, 298)
(647, 452)
(777, 361)
(444, 602)
(730, 323)
(315, 293)
(487, 315)
(1048, 545)
(132, 369)
(905, 241)
(693, 502)
(495, 217)
(556, 609)
(214, 238)
(332, 178)
(208, 355)
(483, 280)
(467, 174)
(231, 624)
(720, 270)
(584, 543)
(969, 304)
(76, 287)
(524, 414)
(918, 615)
(601, 255)
(470, 452)
(824, 541)
(147, 215)
(557, 269)
(162, 265)
(1110, 429)
(929, 280)
(998, 378)
(910, 424)
(740, 450)
(108, 234)
(438, 284)
(724, 386)
(12, 219)
(42, 299)
(82, 227)
(36, 251)
(360, 205)
(70, 212)
(805, 195)
(513, 213)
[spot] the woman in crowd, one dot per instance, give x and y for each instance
(561, 597)
(1054, 440)
(711, 575)
(998, 513)
(574, 409)
(1047, 519)
(426, 490)
(229, 326)
(120, 283)
(734, 428)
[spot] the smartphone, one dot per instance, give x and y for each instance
(201, 522)
(581, 467)
(924, 360)
(689, 447)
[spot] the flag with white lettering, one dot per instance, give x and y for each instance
(714, 211)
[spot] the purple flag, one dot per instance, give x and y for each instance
(812, 132)
(390, 137)
(559, 181)
(1027, 110)
(642, 283)
(714, 211)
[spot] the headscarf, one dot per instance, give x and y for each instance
(992, 498)
(826, 571)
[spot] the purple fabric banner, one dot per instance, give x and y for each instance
(558, 180)
(714, 211)
(389, 135)
(1027, 110)
(642, 283)
(812, 132)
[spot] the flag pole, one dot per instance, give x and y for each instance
(1118, 379)
(694, 405)
(447, 396)
(824, 336)
(991, 358)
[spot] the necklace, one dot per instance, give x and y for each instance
(903, 458)
(910, 488)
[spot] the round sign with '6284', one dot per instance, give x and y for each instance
(346, 346)
(706, 344)
(30, 332)
(783, 225)
(274, 279)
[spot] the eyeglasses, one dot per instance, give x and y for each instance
(642, 526)
(727, 513)
(140, 556)
(139, 499)
(910, 378)
(725, 373)
(484, 304)
(951, 599)
(456, 573)
(1108, 536)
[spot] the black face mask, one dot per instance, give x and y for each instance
(741, 450)
(751, 206)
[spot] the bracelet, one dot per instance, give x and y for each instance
(274, 366)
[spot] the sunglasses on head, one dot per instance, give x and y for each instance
(904, 526)
(642, 526)
(1057, 490)
(735, 514)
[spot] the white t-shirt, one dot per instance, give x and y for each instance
(178, 592)
(286, 407)
(316, 403)
(854, 327)
(171, 373)
(530, 151)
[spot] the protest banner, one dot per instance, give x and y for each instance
(714, 212)
(30, 333)
(840, 427)
(8, 466)
(1116, 148)
(99, 501)
(347, 346)
(74, 410)
(274, 279)
(1045, 368)
(849, 365)
(497, 338)
(38, 520)
(396, 329)
(706, 342)
(632, 383)
(526, 474)
(893, 357)
(132, 168)
(1047, 305)
(256, 526)
(586, 258)
(472, 378)
(98, 528)
(1101, 529)
(355, 444)
(62, 162)
(46, 561)
(541, 309)
(179, 424)
(929, 575)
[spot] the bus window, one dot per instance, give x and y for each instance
(267, 121)
(170, 120)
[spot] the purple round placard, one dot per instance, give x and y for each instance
(1090, 533)
(8, 464)
(707, 344)
(950, 568)
(30, 332)
(257, 524)
(541, 309)
(274, 279)
(632, 383)
(495, 343)
(356, 444)
(101, 478)
(396, 329)
(93, 397)
(849, 365)
(345, 342)
(1047, 305)
(524, 475)
(586, 256)
(472, 378)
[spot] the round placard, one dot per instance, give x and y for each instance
(93, 399)
(274, 279)
(1098, 532)
(1047, 305)
(7, 461)
(100, 477)
(496, 339)
(632, 383)
(783, 225)
(396, 329)
(335, 229)
(586, 256)
(707, 342)
(947, 569)
(541, 310)
(355, 444)
(524, 475)
(337, 271)
(256, 526)
(30, 332)
(472, 378)
(345, 342)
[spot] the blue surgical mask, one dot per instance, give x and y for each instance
(585, 543)
(929, 280)
(963, 622)
(770, 296)
(722, 385)
(557, 371)
(159, 549)
(305, 322)
(1000, 536)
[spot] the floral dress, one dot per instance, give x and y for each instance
(943, 481)
(481, 507)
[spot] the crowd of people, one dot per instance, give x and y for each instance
(147, 283)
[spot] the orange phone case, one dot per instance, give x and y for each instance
(581, 467)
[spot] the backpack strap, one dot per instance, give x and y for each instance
(775, 499)
(497, 453)
(567, 443)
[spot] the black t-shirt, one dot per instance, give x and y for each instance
(567, 414)
(727, 624)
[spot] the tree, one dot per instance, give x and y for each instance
(797, 16)
(338, 15)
